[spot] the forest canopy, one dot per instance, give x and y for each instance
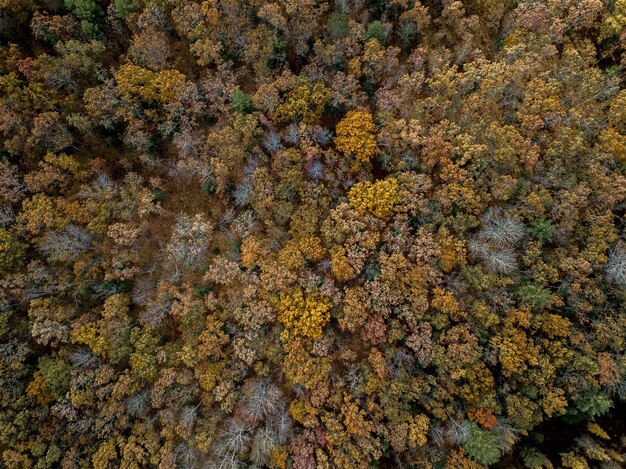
(303, 234)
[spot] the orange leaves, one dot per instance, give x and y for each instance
(452, 251)
(354, 419)
(253, 251)
(212, 339)
(37, 390)
(445, 302)
(516, 352)
(257, 245)
(377, 360)
(609, 370)
(484, 417)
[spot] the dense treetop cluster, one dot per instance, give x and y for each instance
(304, 234)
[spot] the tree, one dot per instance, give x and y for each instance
(378, 198)
(305, 103)
(355, 136)
(11, 251)
(89, 13)
(616, 267)
(482, 445)
(303, 314)
(123, 8)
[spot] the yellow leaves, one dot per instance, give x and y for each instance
(554, 402)
(63, 161)
(613, 143)
(522, 412)
(418, 430)
(38, 213)
(143, 361)
(615, 23)
(377, 198)
(305, 103)
(335, 432)
(247, 125)
(312, 249)
(208, 375)
(516, 352)
(11, 251)
(597, 430)
(89, 334)
(116, 305)
(481, 312)
(297, 251)
(303, 369)
(302, 411)
(452, 252)
(445, 302)
(43, 213)
(106, 454)
(617, 112)
(553, 325)
(303, 314)
(342, 270)
(601, 235)
(573, 461)
(278, 457)
(161, 87)
(356, 136)
(290, 256)
(94, 334)
(38, 390)
(542, 104)
(354, 419)
(377, 61)
(479, 386)
(143, 365)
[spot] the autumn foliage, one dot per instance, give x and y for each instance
(303, 234)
